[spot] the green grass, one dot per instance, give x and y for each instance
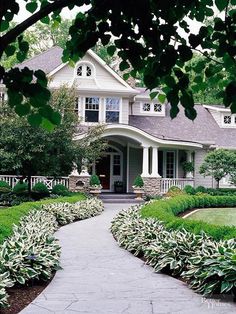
(12, 215)
(216, 216)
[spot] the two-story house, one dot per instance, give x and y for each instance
(142, 137)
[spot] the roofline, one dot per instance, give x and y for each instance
(217, 108)
(126, 127)
(103, 64)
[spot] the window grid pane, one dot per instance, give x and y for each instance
(80, 70)
(227, 119)
(170, 167)
(116, 165)
(157, 107)
(146, 107)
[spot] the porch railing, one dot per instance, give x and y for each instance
(181, 183)
(48, 181)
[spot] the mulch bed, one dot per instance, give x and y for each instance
(20, 297)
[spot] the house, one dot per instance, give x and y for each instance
(142, 137)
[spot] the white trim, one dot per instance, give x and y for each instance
(220, 109)
(152, 112)
(84, 64)
(231, 125)
(140, 136)
(127, 170)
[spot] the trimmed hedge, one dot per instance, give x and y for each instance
(12, 215)
(167, 210)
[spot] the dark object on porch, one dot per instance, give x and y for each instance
(80, 183)
(118, 186)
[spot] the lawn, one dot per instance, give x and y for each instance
(216, 216)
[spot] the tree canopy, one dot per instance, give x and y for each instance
(153, 39)
(28, 151)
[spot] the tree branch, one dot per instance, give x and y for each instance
(11, 35)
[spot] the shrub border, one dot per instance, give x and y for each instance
(12, 215)
(167, 211)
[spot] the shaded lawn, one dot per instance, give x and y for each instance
(12, 215)
(216, 216)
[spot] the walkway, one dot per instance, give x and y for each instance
(99, 277)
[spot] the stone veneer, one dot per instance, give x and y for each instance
(79, 183)
(152, 185)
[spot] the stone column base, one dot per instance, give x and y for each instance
(152, 186)
(79, 183)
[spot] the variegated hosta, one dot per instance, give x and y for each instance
(66, 213)
(212, 268)
(31, 251)
(134, 233)
(5, 282)
(209, 266)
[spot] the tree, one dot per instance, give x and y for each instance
(153, 39)
(218, 164)
(31, 151)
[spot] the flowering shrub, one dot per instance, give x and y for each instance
(32, 251)
(207, 265)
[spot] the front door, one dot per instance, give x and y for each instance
(103, 171)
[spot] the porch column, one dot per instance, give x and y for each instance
(145, 171)
(155, 162)
(189, 175)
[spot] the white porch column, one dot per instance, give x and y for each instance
(189, 175)
(155, 162)
(145, 171)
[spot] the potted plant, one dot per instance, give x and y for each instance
(188, 168)
(118, 186)
(95, 185)
(138, 187)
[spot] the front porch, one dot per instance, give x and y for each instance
(132, 152)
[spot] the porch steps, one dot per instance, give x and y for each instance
(119, 198)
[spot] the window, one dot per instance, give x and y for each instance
(80, 70)
(92, 109)
(152, 108)
(146, 107)
(227, 119)
(84, 70)
(157, 108)
(112, 110)
(116, 165)
(170, 164)
(76, 105)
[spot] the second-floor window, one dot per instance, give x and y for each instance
(112, 109)
(92, 109)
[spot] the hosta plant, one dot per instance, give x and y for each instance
(31, 251)
(207, 265)
(5, 282)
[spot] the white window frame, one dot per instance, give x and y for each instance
(165, 162)
(84, 65)
(105, 109)
(152, 112)
(233, 120)
(84, 110)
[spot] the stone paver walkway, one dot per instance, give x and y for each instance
(99, 277)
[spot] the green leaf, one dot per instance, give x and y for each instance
(111, 50)
(10, 50)
(22, 110)
(124, 65)
(221, 4)
(45, 20)
(162, 98)
(47, 125)
(55, 118)
(35, 119)
(153, 95)
(126, 76)
(31, 7)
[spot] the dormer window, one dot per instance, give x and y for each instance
(227, 119)
(152, 108)
(85, 70)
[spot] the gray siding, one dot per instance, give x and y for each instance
(135, 165)
(199, 179)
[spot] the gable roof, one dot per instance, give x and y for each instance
(46, 61)
(203, 129)
(50, 62)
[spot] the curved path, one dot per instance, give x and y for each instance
(99, 277)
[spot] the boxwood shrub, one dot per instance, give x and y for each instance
(4, 187)
(167, 210)
(60, 189)
(40, 190)
(20, 188)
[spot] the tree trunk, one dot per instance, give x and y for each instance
(217, 183)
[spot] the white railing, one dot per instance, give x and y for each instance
(48, 181)
(180, 182)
